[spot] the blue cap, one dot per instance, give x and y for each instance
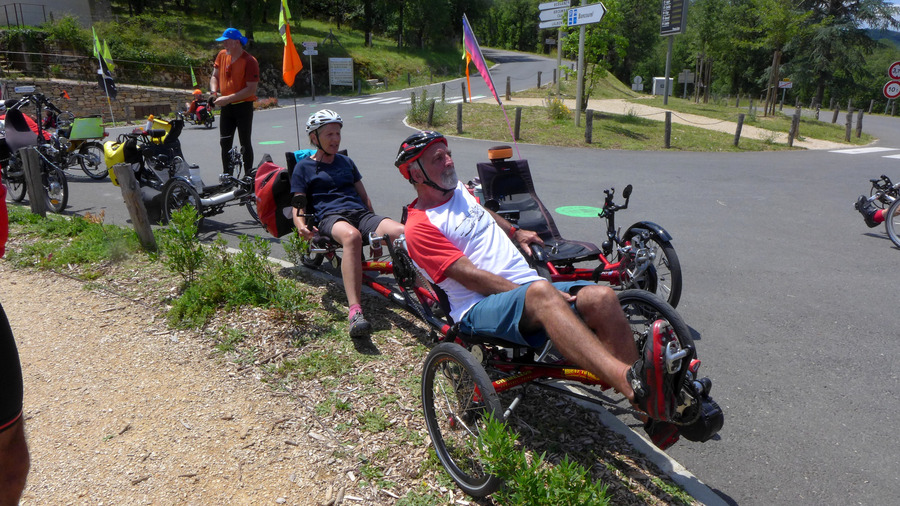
(234, 34)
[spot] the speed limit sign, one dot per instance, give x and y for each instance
(894, 70)
(892, 89)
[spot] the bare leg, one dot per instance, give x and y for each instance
(608, 354)
(351, 267)
(14, 463)
(389, 227)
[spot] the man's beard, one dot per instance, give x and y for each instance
(449, 179)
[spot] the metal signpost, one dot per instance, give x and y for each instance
(581, 16)
(555, 19)
(311, 51)
(673, 21)
(784, 85)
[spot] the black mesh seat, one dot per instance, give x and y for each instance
(509, 183)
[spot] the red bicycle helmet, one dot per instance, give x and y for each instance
(413, 147)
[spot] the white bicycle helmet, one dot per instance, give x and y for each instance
(321, 118)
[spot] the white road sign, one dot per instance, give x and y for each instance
(586, 15)
(551, 24)
(310, 45)
(311, 52)
(892, 89)
(552, 14)
(554, 5)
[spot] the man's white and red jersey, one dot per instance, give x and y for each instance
(439, 236)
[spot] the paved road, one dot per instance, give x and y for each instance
(790, 295)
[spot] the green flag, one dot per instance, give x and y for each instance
(96, 44)
(107, 56)
(284, 17)
(193, 77)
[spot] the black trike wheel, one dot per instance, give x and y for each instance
(642, 308)
(457, 396)
(56, 187)
(14, 179)
(178, 193)
(664, 276)
(92, 160)
(892, 222)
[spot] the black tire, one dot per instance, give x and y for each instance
(56, 188)
(311, 259)
(642, 308)
(236, 161)
(93, 161)
(878, 203)
(453, 416)
(14, 179)
(177, 194)
(892, 222)
(664, 276)
(208, 120)
(251, 208)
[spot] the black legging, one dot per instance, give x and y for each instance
(10, 375)
(236, 117)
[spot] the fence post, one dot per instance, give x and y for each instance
(430, 111)
(31, 164)
(539, 79)
(834, 118)
(668, 136)
(408, 79)
(507, 88)
(737, 100)
(893, 108)
(459, 129)
(849, 124)
(518, 122)
(740, 125)
(412, 100)
(131, 193)
(554, 76)
(817, 112)
(795, 126)
(463, 86)
(588, 125)
(443, 92)
(859, 118)
(871, 105)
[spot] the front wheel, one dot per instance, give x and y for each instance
(642, 308)
(92, 160)
(56, 188)
(892, 222)
(177, 194)
(457, 397)
(664, 275)
(208, 120)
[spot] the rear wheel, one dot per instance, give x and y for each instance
(457, 396)
(208, 119)
(14, 179)
(177, 194)
(56, 188)
(892, 222)
(92, 160)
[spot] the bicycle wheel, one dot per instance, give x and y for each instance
(457, 395)
(92, 160)
(236, 161)
(56, 187)
(208, 120)
(892, 222)
(666, 269)
(251, 208)
(14, 179)
(177, 194)
(878, 203)
(642, 308)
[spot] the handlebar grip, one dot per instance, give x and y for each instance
(537, 251)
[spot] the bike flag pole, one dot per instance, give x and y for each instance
(98, 52)
(296, 124)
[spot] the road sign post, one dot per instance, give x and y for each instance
(310, 51)
(552, 15)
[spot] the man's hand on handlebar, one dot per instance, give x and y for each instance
(524, 238)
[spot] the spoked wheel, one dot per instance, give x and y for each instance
(56, 188)
(664, 276)
(457, 396)
(208, 120)
(14, 179)
(892, 222)
(643, 308)
(251, 207)
(310, 259)
(878, 203)
(236, 161)
(177, 194)
(92, 160)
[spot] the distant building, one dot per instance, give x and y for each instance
(37, 12)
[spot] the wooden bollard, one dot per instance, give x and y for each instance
(834, 118)
(740, 125)
(463, 86)
(37, 195)
(507, 89)
(668, 134)
(795, 128)
(849, 125)
(459, 128)
(588, 125)
(539, 79)
(131, 193)
(518, 122)
(443, 92)
(859, 118)
(430, 112)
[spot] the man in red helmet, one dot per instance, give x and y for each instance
(472, 254)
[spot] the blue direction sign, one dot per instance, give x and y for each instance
(585, 15)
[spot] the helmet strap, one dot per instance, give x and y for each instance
(432, 184)
(319, 143)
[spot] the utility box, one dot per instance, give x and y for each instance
(659, 85)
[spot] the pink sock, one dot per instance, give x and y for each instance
(879, 215)
(355, 308)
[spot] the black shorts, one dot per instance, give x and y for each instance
(364, 220)
(10, 376)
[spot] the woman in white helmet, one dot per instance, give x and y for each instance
(333, 187)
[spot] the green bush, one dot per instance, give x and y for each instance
(418, 111)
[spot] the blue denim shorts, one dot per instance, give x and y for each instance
(498, 315)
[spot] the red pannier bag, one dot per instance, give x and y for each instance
(273, 199)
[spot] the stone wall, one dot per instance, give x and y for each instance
(132, 104)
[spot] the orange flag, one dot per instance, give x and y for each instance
(291, 64)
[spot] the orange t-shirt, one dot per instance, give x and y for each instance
(234, 75)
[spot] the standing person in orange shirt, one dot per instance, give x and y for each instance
(233, 84)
